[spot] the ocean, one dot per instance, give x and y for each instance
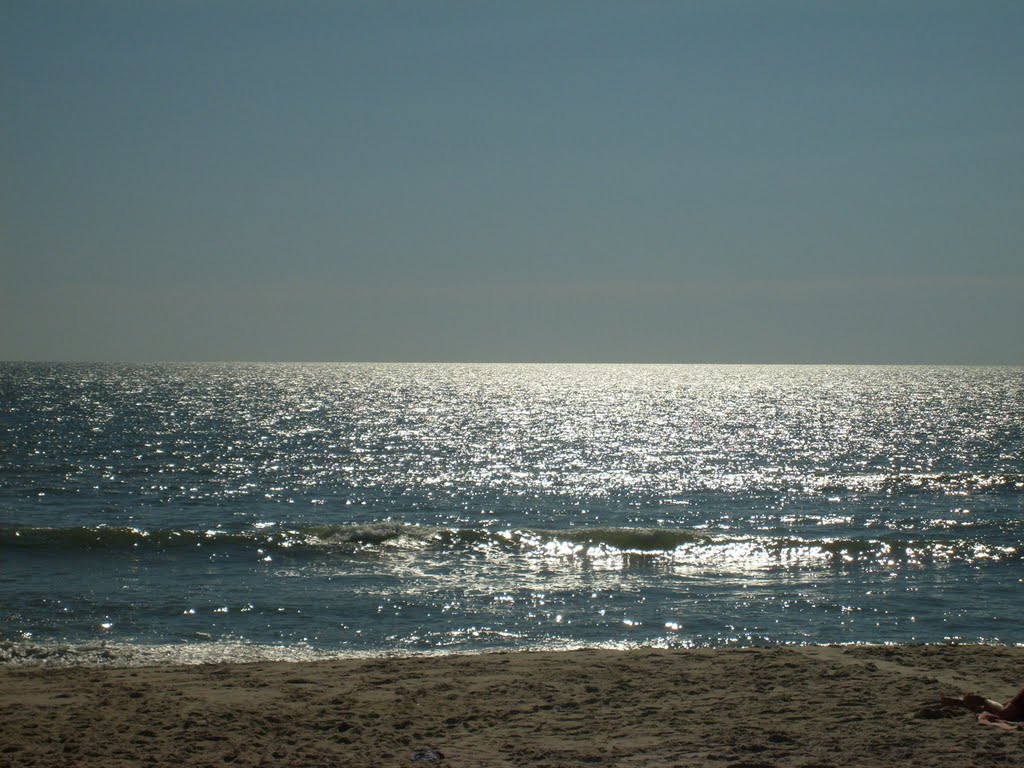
(197, 512)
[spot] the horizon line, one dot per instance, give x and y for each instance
(240, 361)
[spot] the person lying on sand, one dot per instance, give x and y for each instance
(1009, 715)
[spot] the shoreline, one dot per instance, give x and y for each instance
(113, 654)
(805, 706)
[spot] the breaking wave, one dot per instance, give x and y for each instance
(664, 543)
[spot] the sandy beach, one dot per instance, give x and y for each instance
(807, 707)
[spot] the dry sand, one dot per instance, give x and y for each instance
(803, 707)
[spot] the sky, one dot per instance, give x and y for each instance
(684, 181)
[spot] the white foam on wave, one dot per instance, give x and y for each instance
(104, 654)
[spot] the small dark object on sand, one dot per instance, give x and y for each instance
(427, 756)
(937, 713)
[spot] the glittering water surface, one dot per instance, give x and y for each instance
(375, 508)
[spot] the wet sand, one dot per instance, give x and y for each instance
(806, 707)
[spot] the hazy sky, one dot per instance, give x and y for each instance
(705, 181)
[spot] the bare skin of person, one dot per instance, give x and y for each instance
(1009, 715)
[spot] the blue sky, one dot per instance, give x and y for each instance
(573, 181)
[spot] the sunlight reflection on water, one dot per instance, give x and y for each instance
(698, 504)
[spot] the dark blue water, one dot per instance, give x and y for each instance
(295, 509)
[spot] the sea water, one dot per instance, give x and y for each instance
(199, 511)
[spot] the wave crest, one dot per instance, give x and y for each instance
(670, 545)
